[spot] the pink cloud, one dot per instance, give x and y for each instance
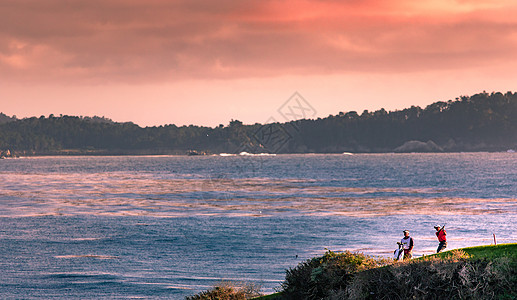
(159, 41)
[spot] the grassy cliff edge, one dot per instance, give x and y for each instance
(482, 272)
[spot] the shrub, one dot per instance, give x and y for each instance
(325, 276)
(228, 291)
(454, 277)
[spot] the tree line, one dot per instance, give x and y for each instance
(482, 122)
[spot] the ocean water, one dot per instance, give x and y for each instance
(171, 226)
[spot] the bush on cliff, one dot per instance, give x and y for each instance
(490, 273)
(454, 277)
(322, 277)
(228, 291)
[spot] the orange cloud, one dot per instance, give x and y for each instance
(159, 41)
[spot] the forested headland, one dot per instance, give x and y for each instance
(481, 122)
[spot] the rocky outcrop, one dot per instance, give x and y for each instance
(418, 146)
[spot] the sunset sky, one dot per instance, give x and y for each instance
(156, 62)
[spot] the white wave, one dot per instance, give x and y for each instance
(258, 154)
(86, 256)
(227, 154)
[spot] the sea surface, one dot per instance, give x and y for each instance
(170, 226)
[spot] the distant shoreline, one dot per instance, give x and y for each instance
(479, 123)
(72, 153)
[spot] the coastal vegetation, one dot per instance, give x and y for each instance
(482, 122)
(484, 272)
(228, 291)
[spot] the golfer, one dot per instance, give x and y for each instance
(407, 241)
(441, 234)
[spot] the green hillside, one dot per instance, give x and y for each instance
(483, 272)
(489, 252)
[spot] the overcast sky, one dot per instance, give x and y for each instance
(157, 62)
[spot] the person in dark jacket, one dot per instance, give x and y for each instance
(441, 234)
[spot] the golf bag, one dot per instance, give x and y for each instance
(398, 254)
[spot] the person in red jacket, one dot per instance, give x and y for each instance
(442, 238)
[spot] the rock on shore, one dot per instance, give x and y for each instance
(418, 146)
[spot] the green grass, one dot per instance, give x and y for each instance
(488, 252)
(275, 296)
(491, 252)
